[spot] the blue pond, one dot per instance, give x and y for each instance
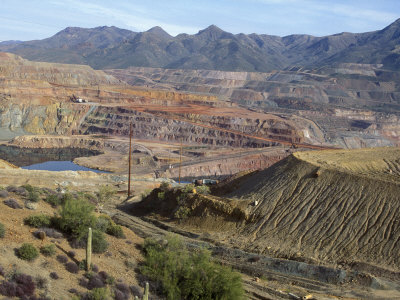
(59, 166)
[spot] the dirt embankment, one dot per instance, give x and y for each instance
(332, 206)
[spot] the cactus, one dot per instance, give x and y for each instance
(89, 250)
(146, 292)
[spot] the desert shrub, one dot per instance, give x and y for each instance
(103, 222)
(12, 203)
(106, 224)
(72, 267)
(76, 216)
(182, 212)
(33, 196)
(62, 259)
(188, 188)
(2, 230)
(21, 191)
(41, 282)
(95, 268)
(189, 275)
(103, 275)
(50, 232)
(48, 250)
(38, 220)
(28, 187)
(83, 282)
(20, 285)
(95, 281)
(99, 243)
(105, 193)
(122, 292)
(28, 252)
(99, 294)
(54, 275)
(2, 273)
(164, 186)
(161, 195)
(136, 291)
(3, 194)
(203, 189)
(11, 189)
(53, 199)
(71, 254)
(116, 230)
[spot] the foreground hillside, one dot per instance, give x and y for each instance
(332, 205)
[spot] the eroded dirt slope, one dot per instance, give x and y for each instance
(330, 205)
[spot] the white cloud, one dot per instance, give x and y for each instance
(134, 17)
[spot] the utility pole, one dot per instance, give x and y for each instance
(129, 159)
(180, 163)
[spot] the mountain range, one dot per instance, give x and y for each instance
(211, 48)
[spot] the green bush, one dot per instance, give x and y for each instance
(164, 186)
(161, 195)
(28, 252)
(105, 193)
(28, 187)
(103, 222)
(107, 225)
(53, 199)
(33, 196)
(115, 230)
(99, 243)
(182, 212)
(48, 250)
(189, 275)
(38, 221)
(76, 216)
(203, 189)
(188, 188)
(2, 230)
(100, 294)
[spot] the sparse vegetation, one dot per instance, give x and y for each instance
(19, 285)
(12, 203)
(161, 195)
(203, 189)
(182, 212)
(105, 193)
(193, 275)
(28, 252)
(2, 230)
(72, 267)
(62, 259)
(48, 250)
(106, 224)
(100, 294)
(33, 196)
(38, 221)
(99, 244)
(53, 199)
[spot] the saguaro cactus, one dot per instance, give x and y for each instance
(146, 293)
(89, 250)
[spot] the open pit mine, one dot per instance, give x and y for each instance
(306, 162)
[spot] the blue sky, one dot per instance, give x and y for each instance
(38, 19)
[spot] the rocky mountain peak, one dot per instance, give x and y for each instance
(157, 30)
(212, 32)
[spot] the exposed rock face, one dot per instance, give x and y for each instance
(353, 105)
